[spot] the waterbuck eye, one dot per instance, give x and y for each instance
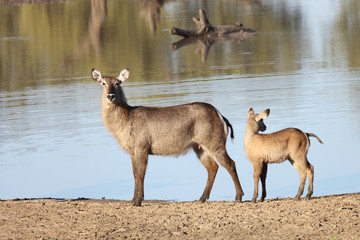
(117, 84)
(103, 83)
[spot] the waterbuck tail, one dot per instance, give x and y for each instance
(229, 126)
(313, 135)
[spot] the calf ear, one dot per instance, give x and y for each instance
(124, 75)
(251, 112)
(263, 115)
(96, 75)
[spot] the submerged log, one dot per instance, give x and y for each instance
(206, 29)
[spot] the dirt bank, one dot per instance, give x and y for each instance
(329, 217)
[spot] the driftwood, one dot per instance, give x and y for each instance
(206, 29)
(206, 35)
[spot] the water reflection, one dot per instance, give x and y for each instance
(95, 27)
(303, 64)
(204, 43)
(245, 2)
(150, 11)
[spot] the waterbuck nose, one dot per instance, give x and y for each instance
(110, 96)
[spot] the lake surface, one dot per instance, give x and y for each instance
(303, 64)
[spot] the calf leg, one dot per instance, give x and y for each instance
(263, 179)
(139, 164)
(301, 166)
(310, 174)
(211, 167)
(257, 172)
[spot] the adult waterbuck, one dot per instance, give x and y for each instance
(174, 130)
(288, 144)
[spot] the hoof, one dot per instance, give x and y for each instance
(238, 197)
(202, 200)
(136, 203)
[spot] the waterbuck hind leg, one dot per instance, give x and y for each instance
(211, 167)
(263, 180)
(139, 164)
(223, 158)
(310, 174)
(300, 166)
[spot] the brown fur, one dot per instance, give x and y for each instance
(174, 130)
(288, 144)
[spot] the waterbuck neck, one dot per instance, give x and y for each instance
(249, 133)
(114, 117)
(115, 112)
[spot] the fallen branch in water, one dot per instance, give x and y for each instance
(206, 29)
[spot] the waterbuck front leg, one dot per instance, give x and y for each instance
(258, 166)
(263, 180)
(139, 164)
(211, 167)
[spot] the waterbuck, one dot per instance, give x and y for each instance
(174, 130)
(288, 144)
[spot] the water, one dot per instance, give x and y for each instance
(304, 64)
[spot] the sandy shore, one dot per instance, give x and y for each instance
(329, 217)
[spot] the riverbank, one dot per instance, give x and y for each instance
(328, 217)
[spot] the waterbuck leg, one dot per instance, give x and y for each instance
(310, 174)
(223, 158)
(257, 172)
(263, 179)
(139, 164)
(300, 166)
(211, 167)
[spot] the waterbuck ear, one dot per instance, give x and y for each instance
(96, 75)
(263, 115)
(124, 75)
(251, 112)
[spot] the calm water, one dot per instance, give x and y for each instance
(304, 64)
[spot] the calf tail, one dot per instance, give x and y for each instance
(313, 135)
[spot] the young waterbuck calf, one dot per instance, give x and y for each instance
(288, 144)
(141, 131)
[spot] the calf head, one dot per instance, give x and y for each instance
(255, 121)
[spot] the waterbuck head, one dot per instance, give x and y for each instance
(255, 121)
(112, 90)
